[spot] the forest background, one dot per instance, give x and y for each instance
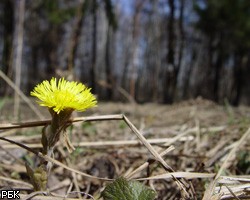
(144, 50)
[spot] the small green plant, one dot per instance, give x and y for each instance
(122, 125)
(76, 153)
(229, 110)
(2, 102)
(243, 165)
(88, 128)
(122, 189)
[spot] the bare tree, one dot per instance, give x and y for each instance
(182, 36)
(94, 47)
(108, 68)
(7, 21)
(135, 39)
(109, 51)
(172, 70)
(152, 56)
(18, 50)
(74, 39)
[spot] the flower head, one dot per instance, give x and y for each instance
(63, 95)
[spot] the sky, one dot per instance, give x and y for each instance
(126, 5)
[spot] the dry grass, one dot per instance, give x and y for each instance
(191, 150)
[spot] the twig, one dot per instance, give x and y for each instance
(232, 192)
(69, 189)
(100, 143)
(46, 122)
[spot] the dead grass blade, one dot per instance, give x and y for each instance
(157, 156)
(21, 94)
(49, 159)
(40, 197)
(46, 122)
(232, 193)
(209, 192)
(16, 181)
(145, 165)
(103, 144)
(126, 142)
(232, 180)
(147, 144)
(186, 175)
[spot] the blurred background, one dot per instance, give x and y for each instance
(129, 50)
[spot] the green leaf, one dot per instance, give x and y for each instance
(121, 189)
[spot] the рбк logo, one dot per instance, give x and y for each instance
(9, 194)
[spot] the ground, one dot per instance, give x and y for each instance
(201, 132)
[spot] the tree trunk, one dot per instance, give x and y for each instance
(182, 33)
(49, 50)
(108, 67)
(217, 77)
(18, 51)
(237, 82)
(74, 40)
(172, 70)
(125, 71)
(186, 84)
(217, 68)
(8, 19)
(135, 35)
(94, 48)
(153, 53)
(32, 72)
(205, 87)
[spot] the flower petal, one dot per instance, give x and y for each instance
(63, 95)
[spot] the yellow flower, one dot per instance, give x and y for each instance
(64, 95)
